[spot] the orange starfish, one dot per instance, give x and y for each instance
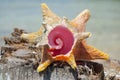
(79, 51)
(64, 40)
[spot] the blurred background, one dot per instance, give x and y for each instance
(104, 23)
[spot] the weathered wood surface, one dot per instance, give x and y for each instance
(11, 71)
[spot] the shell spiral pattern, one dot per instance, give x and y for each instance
(60, 40)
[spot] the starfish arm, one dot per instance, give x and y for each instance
(48, 16)
(43, 65)
(96, 54)
(30, 36)
(82, 51)
(71, 61)
(80, 21)
(81, 36)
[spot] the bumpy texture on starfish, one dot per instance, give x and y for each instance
(63, 40)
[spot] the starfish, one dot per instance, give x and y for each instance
(63, 39)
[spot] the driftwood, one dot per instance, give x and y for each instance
(19, 61)
(13, 71)
(85, 71)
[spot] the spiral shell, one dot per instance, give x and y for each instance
(60, 40)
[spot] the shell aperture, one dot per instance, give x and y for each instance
(60, 40)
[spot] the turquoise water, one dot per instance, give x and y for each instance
(104, 23)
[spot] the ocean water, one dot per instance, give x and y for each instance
(104, 23)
